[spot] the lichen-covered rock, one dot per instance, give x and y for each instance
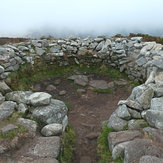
(150, 159)
(4, 88)
(19, 96)
(55, 112)
(137, 124)
(39, 99)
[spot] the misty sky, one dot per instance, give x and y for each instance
(76, 17)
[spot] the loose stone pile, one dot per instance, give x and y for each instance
(144, 106)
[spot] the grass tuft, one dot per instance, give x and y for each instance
(68, 142)
(109, 90)
(103, 148)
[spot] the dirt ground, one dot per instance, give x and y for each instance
(87, 112)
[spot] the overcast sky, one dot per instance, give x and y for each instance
(75, 17)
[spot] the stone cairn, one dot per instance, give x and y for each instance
(141, 61)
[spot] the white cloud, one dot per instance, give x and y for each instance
(19, 17)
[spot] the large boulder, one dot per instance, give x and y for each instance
(55, 112)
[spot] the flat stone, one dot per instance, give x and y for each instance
(40, 51)
(80, 82)
(50, 88)
(46, 147)
(98, 84)
(6, 109)
(80, 90)
(81, 77)
(8, 128)
(39, 99)
(115, 138)
(150, 159)
(92, 135)
(137, 124)
(55, 112)
(116, 123)
(63, 92)
(30, 125)
(52, 130)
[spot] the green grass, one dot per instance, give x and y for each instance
(27, 75)
(68, 142)
(125, 127)
(103, 148)
(109, 90)
(12, 134)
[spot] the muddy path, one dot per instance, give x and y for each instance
(88, 109)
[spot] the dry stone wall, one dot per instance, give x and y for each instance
(141, 61)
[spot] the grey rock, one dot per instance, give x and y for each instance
(22, 108)
(4, 88)
(130, 103)
(154, 118)
(141, 61)
(115, 138)
(80, 82)
(150, 159)
(137, 124)
(157, 104)
(155, 134)
(40, 51)
(122, 112)
(2, 98)
(159, 79)
(39, 99)
(81, 77)
(30, 125)
(23, 48)
(52, 113)
(158, 63)
(62, 93)
(52, 129)
(136, 38)
(145, 99)
(8, 128)
(116, 123)
(18, 96)
(46, 147)
(50, 88)
(139, 147)
(158, 92)
(134, 114)
(100, 45)
(1, 70)
(98, 84)
(2, 149)
(6, 109)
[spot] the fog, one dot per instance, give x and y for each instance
(60, 18)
